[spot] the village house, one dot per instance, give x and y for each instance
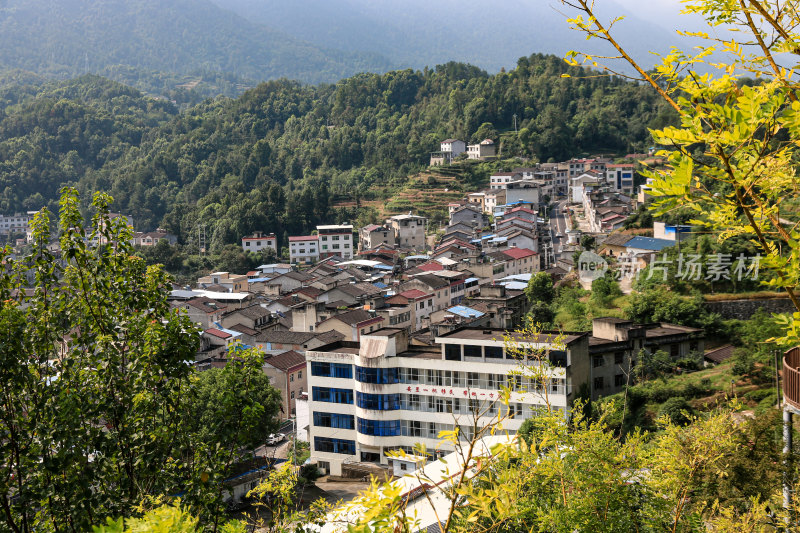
(151, 238)
(260, 241)
(419, 304)
(224, 281)
(409, 231)
(303, 249)
(482, 150)
(203, 311)
(277, 341)
(336, 239)
(372, 236)
(505, 307)
(621, 177)
(254, 317)
(449, 149)
(287, 373)
(471, 215)
(352, 324)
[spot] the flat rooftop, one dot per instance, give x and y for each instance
(480, 334)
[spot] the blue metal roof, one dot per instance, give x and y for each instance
(470, 280)
(466, 312)
(418, 257)
(380, 285)
(258, 280)
(649, 243)
(382, 267)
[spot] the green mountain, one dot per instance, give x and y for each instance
(280, 156)
(66, 38)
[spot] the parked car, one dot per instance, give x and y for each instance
(275, 438)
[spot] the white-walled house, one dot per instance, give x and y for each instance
(304, 249)
(259, 241)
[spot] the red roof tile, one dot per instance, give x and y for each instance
(303, 238)
(218, 333)
(518, 253)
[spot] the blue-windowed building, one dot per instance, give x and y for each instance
(383, 393)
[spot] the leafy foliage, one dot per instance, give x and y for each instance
(98, 400)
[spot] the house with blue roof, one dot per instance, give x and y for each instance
(457, 316)
(647, 245)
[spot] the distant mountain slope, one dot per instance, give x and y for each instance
(70, 37)
(417, 33)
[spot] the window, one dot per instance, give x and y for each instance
(331, 395)
(247, 243)
(291, 377)
(292, 395)
(300, 374)
(377, 375)
(473, 379)
(619, 380)
(327, 445)
(379, 428)
(493, 352)
(598, 360)
(334, 420)
(412, 375)
(412, 403)
(331, 370)
(470, 350)
(674, 350)
(619, 357)
(598, 383)
(452, 352)
(378, 402)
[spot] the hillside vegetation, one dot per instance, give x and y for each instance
(281, 155)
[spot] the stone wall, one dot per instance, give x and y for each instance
(744, 309)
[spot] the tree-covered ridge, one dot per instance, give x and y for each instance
(279, 156)
(55, 135)
(72, 37)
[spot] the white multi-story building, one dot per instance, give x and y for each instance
(382, 394)
(259, 241)
(304, 249)
(16, 223)
(336, 239)
(621, 177)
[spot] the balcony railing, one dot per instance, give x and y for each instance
(791, 377)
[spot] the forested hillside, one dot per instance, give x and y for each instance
(278, 157)
(148, 37)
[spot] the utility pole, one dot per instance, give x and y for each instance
(201, 238)
(515, 122)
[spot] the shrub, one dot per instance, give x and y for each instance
(678, 410)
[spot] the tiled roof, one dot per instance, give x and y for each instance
(254, 311)
(303, 238)
(518, 253)
(286, 360)
(241, 328)
(285, 337)
(617, 239)
(218, 333)
(351, 317)
(206, 304)
(430, 266)
(720, 354)
(414, 294)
